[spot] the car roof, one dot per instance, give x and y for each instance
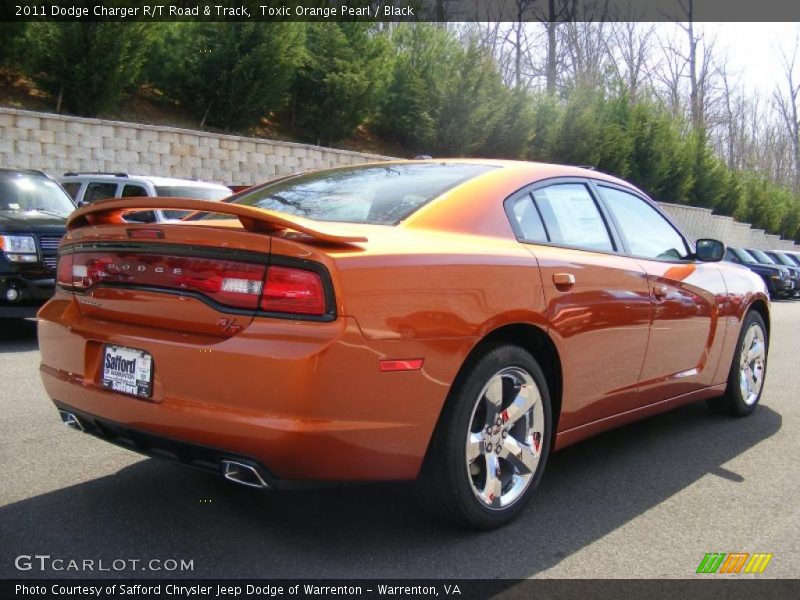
(470, 207)
(155, 180)
(24, 172)
(537, 170)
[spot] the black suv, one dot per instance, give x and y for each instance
(33, 216)
(785, 260)
(779, 281)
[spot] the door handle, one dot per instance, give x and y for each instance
(659, 291)
(564, 280)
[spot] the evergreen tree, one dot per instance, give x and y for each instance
(339, 85)
(421, 74)
(230, 74)
(708, 174)
(10, 34)
(87, 67)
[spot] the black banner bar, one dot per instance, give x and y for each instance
(398, 10)
(702, 588)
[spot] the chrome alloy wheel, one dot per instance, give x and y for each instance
(504, 441)
(751, 364)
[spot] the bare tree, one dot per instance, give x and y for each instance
(786, 99)
(586, 50)
(585, 45)
(701, 66)
(558, 11)
(670, 73)
(629, 46)
(733, 121)
(694, 104)
(518, 64)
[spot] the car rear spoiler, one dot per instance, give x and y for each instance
(111, 212)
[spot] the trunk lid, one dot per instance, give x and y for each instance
(206, 277)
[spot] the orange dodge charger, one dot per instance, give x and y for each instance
(449, 321)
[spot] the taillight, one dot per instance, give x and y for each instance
(290, 290)
(235, 284)
(64, 270)
(231, 283)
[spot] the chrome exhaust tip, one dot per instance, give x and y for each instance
(70, 420)
(243, 474)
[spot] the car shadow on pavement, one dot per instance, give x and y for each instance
(18, 335)
(152, 509)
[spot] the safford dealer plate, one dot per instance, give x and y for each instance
(128, 371)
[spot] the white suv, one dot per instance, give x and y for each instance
(87, 188)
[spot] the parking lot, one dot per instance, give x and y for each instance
(648, 500)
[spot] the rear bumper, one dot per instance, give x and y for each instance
(305, 401)
(196, 456)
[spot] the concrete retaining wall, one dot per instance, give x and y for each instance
(57, 144)
(701, 222)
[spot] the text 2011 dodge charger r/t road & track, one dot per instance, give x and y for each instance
(447, 321)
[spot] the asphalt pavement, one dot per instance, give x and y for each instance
(644, 501)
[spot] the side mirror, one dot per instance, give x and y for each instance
(708, 250)
(82, 203)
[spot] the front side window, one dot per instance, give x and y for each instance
(374, 194)
(72, 188)
(648, 233)
(571, 217)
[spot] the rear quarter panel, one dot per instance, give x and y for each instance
(429, 292)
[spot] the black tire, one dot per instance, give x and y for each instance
(733, 401)
(445, 484)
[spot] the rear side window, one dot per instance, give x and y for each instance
(141, 216)
(196, 192)
(133, 190)
(571, 217)
(526, 219)
(375, 194)
(100, 191)
(647, 232)
(192, 191)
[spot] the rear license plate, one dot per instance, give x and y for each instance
(128, 371)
